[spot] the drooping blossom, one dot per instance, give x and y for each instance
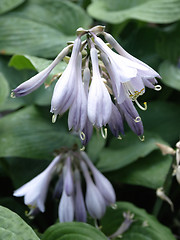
(72, 168)
(35, 191)
(99, 86)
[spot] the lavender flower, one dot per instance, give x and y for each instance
(78, 112)
(65, 89)
(99, 101)
(74, 203)
(111, 82)
(94, 200)
(35, 191)
(35, 82)
(66, 208)
(80, 209)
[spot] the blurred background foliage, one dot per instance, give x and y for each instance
(32, 33)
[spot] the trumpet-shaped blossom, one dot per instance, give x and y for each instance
(65, 89)
(74, 203)
(35, 191)
(98, 86)
(94, 200)
(99, 101)
(78, 111)
(35, 82)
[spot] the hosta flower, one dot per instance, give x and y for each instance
(66, 89)
(78, 112)
(35, 191)
(35, 82)
(95, 202)
(99, 101)
(127, 74)
(73, 202)
(98, 86)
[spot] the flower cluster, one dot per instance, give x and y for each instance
(98, 86)
(70, 165)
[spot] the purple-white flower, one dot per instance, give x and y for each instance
(65, 89)
(99, 101)
(35, 191)
(36, 81)
(98, 86)
(95, 202)
(73, 168)
(78, 112)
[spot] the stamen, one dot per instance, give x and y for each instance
(119, 137)
(104, 133)
(13, 95)
(83, 148)
(142, 138)
(82, 136)
(114, 206)
(157, 87)
(139, 105)
(54, 117)
(137, 119)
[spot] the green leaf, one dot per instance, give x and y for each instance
(145, 226)
(162, 118)
(123, 152)
(7, 5)
(168, 43)
(72, 231)
(12, 227)
(41, 29)
(19, 36)
(4, 90)
(29, 133)
(117, 11)
(170, 74)
(55, 13)
(95, 146)
(150, 171)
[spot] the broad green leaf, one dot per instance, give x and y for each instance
(145, 226)
(117, 11)
(42, 28)
(63, 15)
(168, 43)
(123, 152)
(170, 74)
(95, 146)
(4, 89)
(21, 36)
(73, 231)
(12, 227)
(150, 171)
(29, 133)
(162, 118)
(7, 5)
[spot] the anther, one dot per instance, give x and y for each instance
(142, 138)
(54, 117)
(13, 95)
(104, 133)
(139, 105)
(137, 119)
(119, 137)
(83, 148)
(157, 87)
(82, 136)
